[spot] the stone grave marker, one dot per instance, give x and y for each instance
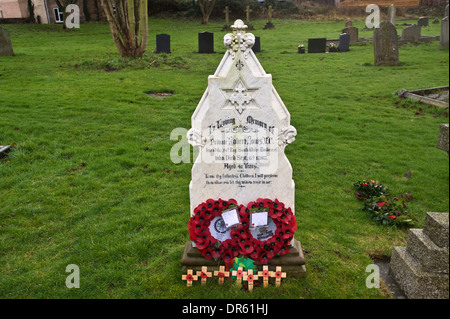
(269, 24)
(442, 142)
(444, 38)
(241, 128)
(162, 43)
(344, 42)
(423, 22)
(353, 32)
(257, 46)
(317, 45)
(391, 14)
(247, 14)
(348, 23)
(206, 42)
(411, 33)
(385, 44)
(227, 26)
(6, 48)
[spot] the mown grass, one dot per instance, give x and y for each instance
(89, 180)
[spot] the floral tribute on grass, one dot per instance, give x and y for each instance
(383, 208)
(222, 229)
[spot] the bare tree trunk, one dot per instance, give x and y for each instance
(129, 25)
(206, 6)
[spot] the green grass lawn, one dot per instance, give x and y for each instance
(89, 180)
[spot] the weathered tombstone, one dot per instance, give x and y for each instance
(421, 269)
(391, 14)
(241, 128)
(227, 26)
(162, 43)
(353, 32)
(257, 46)
(247, 13)
(6, 48)
(385, 45)
(206, 42)
(344, 42)
(444, 39)
(269, 24)
(442, 142)
(411, 33)
(317, 45)
(423, 22)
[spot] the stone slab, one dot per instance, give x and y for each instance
(415, 283)
(293, 262)
(6, 48)
(431, 257)
(442, 142)
(436, 227)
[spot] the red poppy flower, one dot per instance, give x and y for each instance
(381, 204)
(189, 277)
(255, 253)
(239, 273)
(278, 274)
(266, 273)
(227, 256)
(207, 253)
(283, 250)
(250, 278)
(392, 217)
(247, 246)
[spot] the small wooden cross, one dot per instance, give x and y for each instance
(189, 277)
(239, 273)
(278, 275)
(250, 277)
(204, 274)
(265, 273)
(221, 273)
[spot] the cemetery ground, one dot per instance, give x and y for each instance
(89, 180)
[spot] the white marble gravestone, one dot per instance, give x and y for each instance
(241, 127)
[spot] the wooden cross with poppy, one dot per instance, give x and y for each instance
(189, 277)
(278, 275)
(221, 273)
(204, 274)
(266, 274)
(239, 273)
(250, 277)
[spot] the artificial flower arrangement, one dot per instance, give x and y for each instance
(381, 206)
(217, 240)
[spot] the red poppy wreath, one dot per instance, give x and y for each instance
(260, 231)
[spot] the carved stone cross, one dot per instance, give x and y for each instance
(240, 98)
(248, 11)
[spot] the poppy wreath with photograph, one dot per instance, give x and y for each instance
(274, 238)
(216, 239)
(209, 232)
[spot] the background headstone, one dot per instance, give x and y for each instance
(6, 48)
(444, 39)
(411, 33)
(162, 43)
(353, 32)
(269, 24)
(391, 14)
(423, 22)
(227, 26)
(344, 42)
(206, 42)
(442, 142)
(385, 45)
(317, 45)
(257, 46)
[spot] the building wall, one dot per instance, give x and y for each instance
(14, 8)
(18, 9)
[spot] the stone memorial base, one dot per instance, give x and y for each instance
(269, 25)
(293, 263)
(421, 269)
